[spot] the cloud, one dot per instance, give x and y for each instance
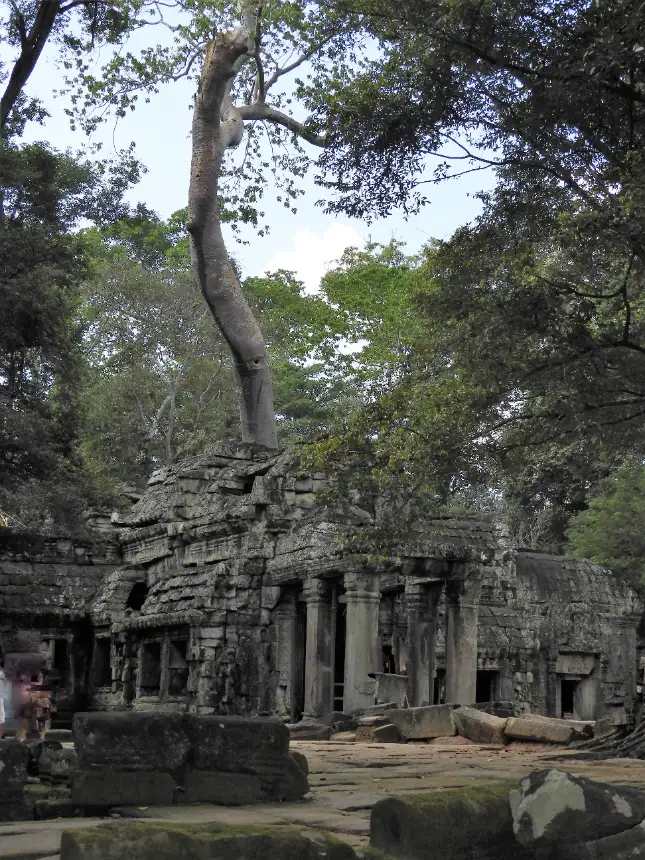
(312, 254)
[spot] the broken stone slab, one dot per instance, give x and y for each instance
(385, 734)
(141, 840)
(424, 723)
(453, 824)
(480, 727)
(553, 807)
(544, 730)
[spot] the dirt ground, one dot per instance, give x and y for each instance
(346, 781)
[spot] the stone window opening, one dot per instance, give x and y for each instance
(150, 669)
(137, 596)
(102, 673)
(177, 668)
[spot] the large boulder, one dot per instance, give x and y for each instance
(423, 723)
(454, 824)
(553, 807)
(156, 841)
(546, 730)
(628, 845)
(480, 727)
(153, 759)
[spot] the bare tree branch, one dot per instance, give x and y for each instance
(259, 111)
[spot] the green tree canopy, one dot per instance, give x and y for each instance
(610, 531)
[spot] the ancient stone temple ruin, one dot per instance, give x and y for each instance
(229, 588)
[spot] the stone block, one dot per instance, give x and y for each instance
(386, 734)
(111, 787)
(454, 824)
(479, 726)
(130, 741)
(544, 731)
(141, 840)
(225, 789)
(553, 807)
(424, 723)
(56, 766)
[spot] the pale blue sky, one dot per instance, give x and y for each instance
(306, 242)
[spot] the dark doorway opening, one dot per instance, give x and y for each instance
(339, 656)
(60, 662)
(298, 666)
(439, 697)
(567, 697)
(102, 668)
(150, 671)
(486, 690)
(389, 663)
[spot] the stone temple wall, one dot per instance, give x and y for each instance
(229, 588)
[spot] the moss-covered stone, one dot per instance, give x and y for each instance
(453, 824)
(155, 841)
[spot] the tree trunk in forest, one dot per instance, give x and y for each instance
(217, 125)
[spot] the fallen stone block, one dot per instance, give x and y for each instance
(140, 840)
(480, 727)
(373, 722)
(553, 807)
(130, 741)
(453, 824)
(431, 721)
(386, 734)
(105, 788)
(543, 730)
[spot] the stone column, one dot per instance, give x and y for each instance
(319, 674)
(362, 643)
(422, 600)
(462, 603)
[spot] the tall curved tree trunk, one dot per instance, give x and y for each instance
(217, 125)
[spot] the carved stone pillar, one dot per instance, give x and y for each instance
(362, 644)
(462, 603)
(319, 648)
(422, 600)
(284, 616)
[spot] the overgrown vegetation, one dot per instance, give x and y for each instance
(499, 370)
